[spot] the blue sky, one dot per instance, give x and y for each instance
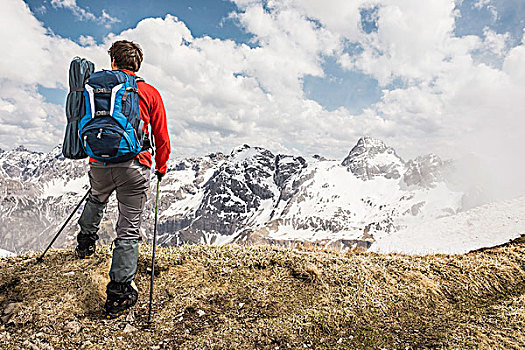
(293, 76)
(202, 17)
(510, 18)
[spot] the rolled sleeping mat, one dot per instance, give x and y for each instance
(79, 71)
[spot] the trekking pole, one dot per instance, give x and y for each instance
(41, 257)
(153, 255)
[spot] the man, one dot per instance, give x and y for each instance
(130, 180)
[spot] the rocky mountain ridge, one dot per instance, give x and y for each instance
(249, 196)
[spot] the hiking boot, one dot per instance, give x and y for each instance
(86, 245)
(121, 297)
(84, 251)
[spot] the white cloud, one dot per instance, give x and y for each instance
(496, 43)
(87, 40)
(514, 64)
(25, 117)
(337, 16)
(493, 12)
(84, 15)
(481, 3)
(107, 19)
(41, 9)
(290, 47)
(78, 11)
(411, 43)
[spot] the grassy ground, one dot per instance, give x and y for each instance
(234, 297)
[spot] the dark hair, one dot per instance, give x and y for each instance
(127, 55)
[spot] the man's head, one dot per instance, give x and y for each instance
(125, 55)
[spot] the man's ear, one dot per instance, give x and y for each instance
(113, 65)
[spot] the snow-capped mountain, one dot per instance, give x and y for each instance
(249, 196)
(37, 191)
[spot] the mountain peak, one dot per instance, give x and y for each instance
(56, 152)
(368, 142)
(371, 157)
(246, 153)
(21, 148)
(239, 149)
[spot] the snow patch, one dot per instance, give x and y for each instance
(485, 226)
(385, 158)
(5, 253)
(59, 186)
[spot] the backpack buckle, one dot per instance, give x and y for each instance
(101, 91)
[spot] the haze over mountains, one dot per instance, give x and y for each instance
(253, 196)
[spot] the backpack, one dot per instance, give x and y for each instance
(111, 128)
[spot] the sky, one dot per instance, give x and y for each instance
(294, 76)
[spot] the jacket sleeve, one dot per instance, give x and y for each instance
(159, 128)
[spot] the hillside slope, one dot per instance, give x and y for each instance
(233, 297)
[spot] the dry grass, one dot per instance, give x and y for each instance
(234, 297)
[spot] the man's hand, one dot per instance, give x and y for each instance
(159, 175)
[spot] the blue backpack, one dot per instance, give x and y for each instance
(111, 128)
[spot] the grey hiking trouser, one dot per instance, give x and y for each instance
(131, 182)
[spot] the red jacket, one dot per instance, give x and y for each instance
(152, 111)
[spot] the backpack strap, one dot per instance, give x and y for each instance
(148, 143)
(129, 89)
